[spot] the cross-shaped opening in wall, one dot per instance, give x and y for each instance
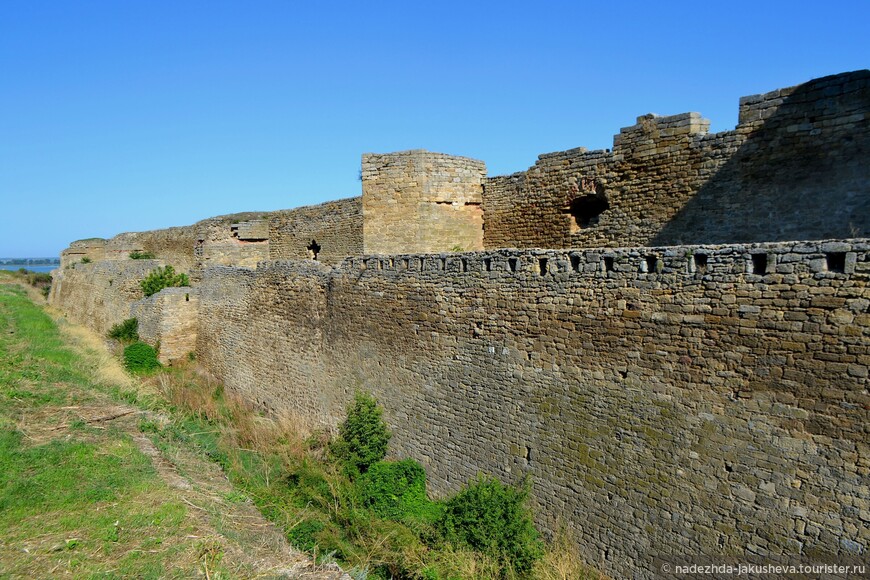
(313, 249)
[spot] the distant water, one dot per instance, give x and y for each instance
(31, 267)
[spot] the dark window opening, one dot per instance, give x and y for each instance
(487, 264)
(443, 263)
(651, 262)
(586, 210)
(575, 262)
(313, 249)
(700, 263)
(512, 264)
(542, 265)
(464, 263)
(608, 263)
(187, 297)
(528, 454)
(759, 264)
(836, 262)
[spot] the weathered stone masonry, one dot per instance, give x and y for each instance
(794, 168)
(690, 398)
(665, 400)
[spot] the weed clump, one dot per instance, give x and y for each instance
(163, 278)
(396, 490)
(140, 357)
(492, 518)
(362, 437)
(125, 332)
(137, 255)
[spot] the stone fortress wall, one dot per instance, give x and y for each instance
(676, 374)
(793, 168)
(700, 399)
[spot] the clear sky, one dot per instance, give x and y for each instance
(133, 115)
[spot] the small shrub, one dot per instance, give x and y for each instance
(127, 331)
(363, 436)
(86, 260)
(137, 255)
(492, 518)
(396, 490)
(163, 278)
(140, 357)
(303, 535)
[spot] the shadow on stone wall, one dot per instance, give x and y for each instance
(802, 172)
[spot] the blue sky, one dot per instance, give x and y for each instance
(133, 115)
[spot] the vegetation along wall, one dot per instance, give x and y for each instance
(688, 399)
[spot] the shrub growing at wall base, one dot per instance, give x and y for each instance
(492, 518)
(363, 436)
(140, 357)
(127, 331)
(163, 278)
(396, 490)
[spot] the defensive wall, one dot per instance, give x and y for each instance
(708, 399)
(666, 392)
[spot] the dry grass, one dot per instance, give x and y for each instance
(561, 561)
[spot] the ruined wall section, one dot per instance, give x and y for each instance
(93, 249)
(240, 239)
(169, 318)
(792, 169)
(100, 294)
(417, 201)
(329, 232)
(664, 400)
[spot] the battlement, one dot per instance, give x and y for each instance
(840, 259)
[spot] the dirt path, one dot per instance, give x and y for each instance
(229, 530)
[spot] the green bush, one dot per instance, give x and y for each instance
(86, 260)
(396, 490)
(363, 436)
(127, 331)
(304, 534)
(492, 518)
(140, 357)
(163, 278)
(137, 255)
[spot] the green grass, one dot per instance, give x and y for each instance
(81, 499)
(74, 499)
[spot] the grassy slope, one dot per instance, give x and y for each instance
(84, 493)
(87, 500)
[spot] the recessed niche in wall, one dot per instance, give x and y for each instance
(608, 263)
(575, 262)
(836, 261)
(651, 262)
(759, 264)
(542, 266)
(487, 264)
(585, 211)
(700, 263)
(512, 264)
